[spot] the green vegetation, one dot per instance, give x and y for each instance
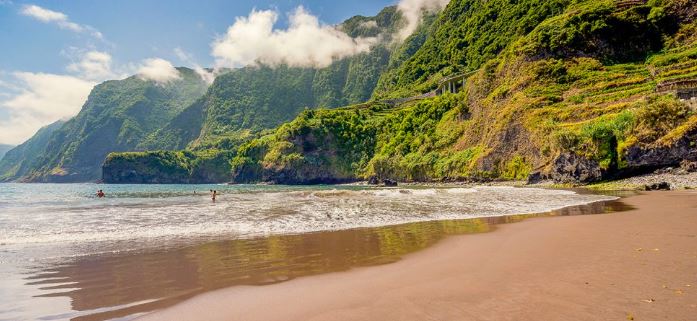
(134, 115)
(4, 148)
(117, 116)
(549, 78)
(463, 37)
(556, 80)
(19, 160)
(210, 166)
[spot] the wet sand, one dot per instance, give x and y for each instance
(639, 264)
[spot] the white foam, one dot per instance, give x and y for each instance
(251, 211)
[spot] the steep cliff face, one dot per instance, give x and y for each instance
(248, 100)
(574, 90)
(564, 97)
(4, 148)
(117, 116)
(18, 161)
(168, 167)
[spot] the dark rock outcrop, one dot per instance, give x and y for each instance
(656, 156)
(536, 177)
(662, 186)
(572, 168)
(389, 183)
(373, 180)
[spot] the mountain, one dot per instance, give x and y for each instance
(132, 116)
(18, 161)
(573, 90)
(247, 100)
(577, 91)
(4, 148)
(117, 116)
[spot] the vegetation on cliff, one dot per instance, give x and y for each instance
(167, 167)
(18, 161)
(585, 78)
(117, 116)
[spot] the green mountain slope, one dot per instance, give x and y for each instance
(573, 90)
(462, 38)
(117, 116)
(569, 98)
(4, 148)
(18, 161)
(248, 100)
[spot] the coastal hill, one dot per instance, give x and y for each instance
(137, 115)
(117, 116)
(573, 90)
(4, 148)
(577, 91)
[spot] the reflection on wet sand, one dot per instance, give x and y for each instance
(123, 286)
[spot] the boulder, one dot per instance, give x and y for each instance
(572, 168)
(662, 186)
(535, 177)
(373, 180)
(389, 183)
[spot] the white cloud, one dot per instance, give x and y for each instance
(40, 99)
(59, 18)
(252, 40)
(94, 65)
(158, 70)
(207, 75)
(412, 11)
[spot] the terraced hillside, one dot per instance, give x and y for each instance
(582, 91)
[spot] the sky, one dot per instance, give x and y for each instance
(54, 52)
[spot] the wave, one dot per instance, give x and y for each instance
(139, 218)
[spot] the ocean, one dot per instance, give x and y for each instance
(66, 254)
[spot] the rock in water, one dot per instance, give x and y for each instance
(662, 186)
(389, 183)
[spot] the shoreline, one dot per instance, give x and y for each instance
(184, 272)
(603, 266)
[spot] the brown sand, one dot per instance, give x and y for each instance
(639, 264)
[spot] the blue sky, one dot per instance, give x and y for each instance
(54, 52)
(135, 30)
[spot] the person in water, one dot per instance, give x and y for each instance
(100, 193)
(214, 194)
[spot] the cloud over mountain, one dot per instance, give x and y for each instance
(412, 11)
(158, 70)
(306, 42)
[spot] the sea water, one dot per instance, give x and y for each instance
(64, 253)
(56, 216)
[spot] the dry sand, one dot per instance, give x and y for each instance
(640, 265)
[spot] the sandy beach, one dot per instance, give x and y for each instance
(634, 265)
